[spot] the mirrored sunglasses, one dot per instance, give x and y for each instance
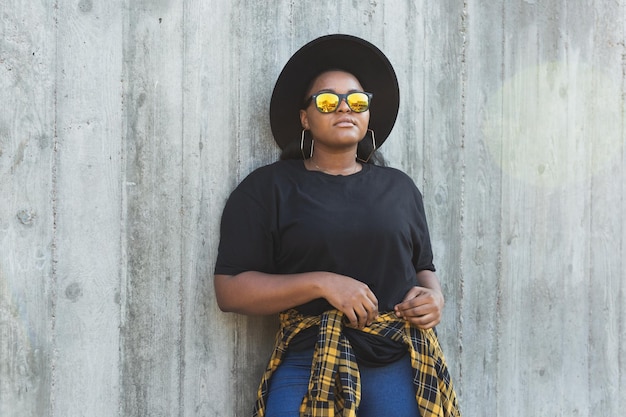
(327, 102)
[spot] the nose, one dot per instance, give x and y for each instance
(343, 105)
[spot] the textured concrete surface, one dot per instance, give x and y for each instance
(125, 125)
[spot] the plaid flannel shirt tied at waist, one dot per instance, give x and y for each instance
(335, 385)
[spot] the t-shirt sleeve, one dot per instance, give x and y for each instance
(245, 236)
(422, 249)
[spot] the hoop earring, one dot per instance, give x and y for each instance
(365, 161)
(302, 136)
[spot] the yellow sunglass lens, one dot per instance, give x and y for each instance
(327, 102)
(358, 102)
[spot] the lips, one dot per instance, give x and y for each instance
(345, 122)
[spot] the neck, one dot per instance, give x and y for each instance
(337, 164)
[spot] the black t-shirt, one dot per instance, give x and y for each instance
(371, 226)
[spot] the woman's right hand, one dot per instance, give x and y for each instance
(351, 297)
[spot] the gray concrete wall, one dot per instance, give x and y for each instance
(126, 123)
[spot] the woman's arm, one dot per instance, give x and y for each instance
(423, 304)
(257, 293)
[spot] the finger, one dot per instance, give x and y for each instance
(424, 297)
(363, 317)
(419, 310)
(352, 318)
(371, 314)
(372, 299)
(371, 307)
(420, 314)
(398, 310)
(411, 299)
(405, 308)
(428, 325)
(427, 321)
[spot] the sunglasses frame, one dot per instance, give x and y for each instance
(342, 97)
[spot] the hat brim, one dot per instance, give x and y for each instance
(349, 53)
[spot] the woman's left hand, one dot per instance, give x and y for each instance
(422, 307)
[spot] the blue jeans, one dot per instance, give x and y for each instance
(385, 391)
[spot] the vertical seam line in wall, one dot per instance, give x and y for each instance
(123, 214)
(463, 132)
(622, 323)
(498, 317)
(238, 137)
(588, 244)
(423, 103)
(54, 194)
(182, 211)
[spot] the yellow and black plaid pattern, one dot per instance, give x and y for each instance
(334, 386)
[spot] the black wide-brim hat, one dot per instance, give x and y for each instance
(344, 52)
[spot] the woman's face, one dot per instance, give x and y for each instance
(342, 128)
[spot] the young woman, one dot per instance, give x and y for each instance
(339, 246)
